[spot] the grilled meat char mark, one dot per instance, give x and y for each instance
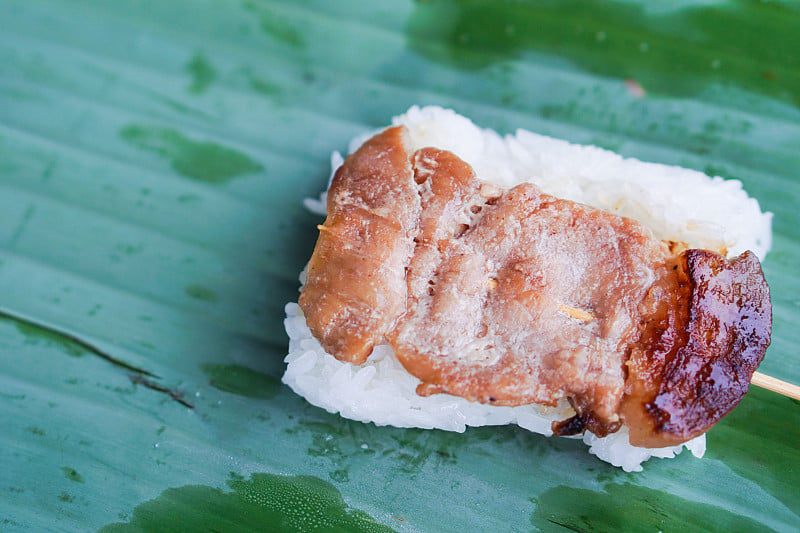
(511, 297)
(519, 305)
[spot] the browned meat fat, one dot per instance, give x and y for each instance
(513, 297)
(706, 328)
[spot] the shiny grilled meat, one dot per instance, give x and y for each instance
(512, 296)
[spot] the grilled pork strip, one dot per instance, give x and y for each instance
(512, 297)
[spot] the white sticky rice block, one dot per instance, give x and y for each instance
(675, 203)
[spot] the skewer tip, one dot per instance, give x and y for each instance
(776, 385)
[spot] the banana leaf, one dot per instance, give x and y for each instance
(154, 155)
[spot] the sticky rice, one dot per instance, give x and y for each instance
(675, 203)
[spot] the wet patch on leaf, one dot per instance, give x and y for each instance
(265, 502)
(200, 160)
(341, 442)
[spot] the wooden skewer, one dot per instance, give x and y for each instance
(775, 385)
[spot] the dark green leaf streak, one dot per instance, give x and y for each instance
(265, 502)
(627, 507)
(201, 160)
(199, 292)
(67, 342)
(261, 85)
(738, 440)
(276, 26)
(752, 45)
(202, 72)
(35, 334)
(241, 380)
(72, 474)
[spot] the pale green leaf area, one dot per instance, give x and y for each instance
(154, 155)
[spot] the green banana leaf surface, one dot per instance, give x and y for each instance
(154, 157)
